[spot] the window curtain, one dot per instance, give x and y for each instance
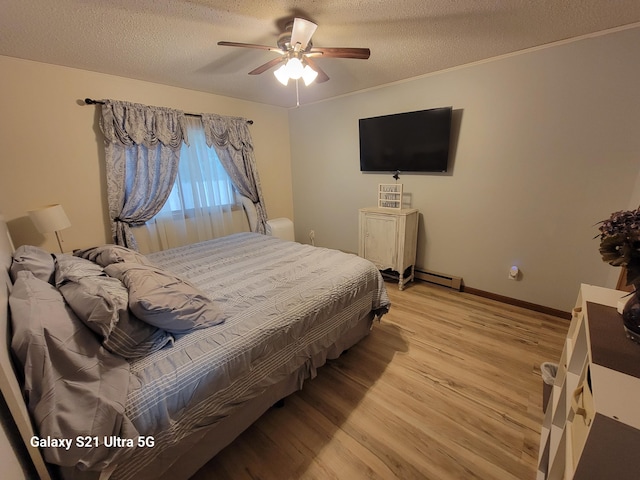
(142, 147)
(202, 203)
(232, 141)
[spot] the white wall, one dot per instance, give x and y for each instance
(548, 144)
(635, 199)
(52, 147)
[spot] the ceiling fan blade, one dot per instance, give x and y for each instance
(322, 76)
(302, 32)
(266, 66)
(338, 52)
(249, 45)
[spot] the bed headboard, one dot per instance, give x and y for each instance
(9, 385)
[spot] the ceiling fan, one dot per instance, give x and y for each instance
(297, 53)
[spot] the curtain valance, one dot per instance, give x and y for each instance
(136, 124)
(222, 131)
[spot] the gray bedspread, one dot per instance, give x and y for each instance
(285, 308)
(282, 303)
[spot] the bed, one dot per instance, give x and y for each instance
(279, 311)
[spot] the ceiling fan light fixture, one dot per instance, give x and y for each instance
(296, 52)
(282, 75)
(309, 75)
(294, 68)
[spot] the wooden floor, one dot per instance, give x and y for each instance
(446, 386)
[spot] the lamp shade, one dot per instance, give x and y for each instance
(309, 75)
(294, 68)
(282, 75)
(50, 218)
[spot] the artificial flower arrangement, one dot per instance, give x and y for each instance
(620, 246)
(620, 243)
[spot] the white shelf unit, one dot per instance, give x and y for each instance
(591, 428)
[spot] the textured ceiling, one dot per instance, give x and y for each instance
(174, 42)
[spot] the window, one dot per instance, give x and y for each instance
(202, 182)
(202, 203)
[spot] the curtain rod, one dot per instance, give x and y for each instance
(90, 101)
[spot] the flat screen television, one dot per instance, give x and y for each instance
(408, 142)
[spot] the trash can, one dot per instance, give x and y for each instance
(549, 371)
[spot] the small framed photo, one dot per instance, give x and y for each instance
(390, 195)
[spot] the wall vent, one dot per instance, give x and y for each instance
(439, 279)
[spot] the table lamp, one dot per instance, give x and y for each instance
(50, 218)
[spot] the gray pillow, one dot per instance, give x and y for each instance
(72, 269)
(37, 305)
(105, 255)
(71, 384)
(34, 260)
(91, 302)
(164, 300)
(101, 302)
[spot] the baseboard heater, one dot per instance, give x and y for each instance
(439, 279)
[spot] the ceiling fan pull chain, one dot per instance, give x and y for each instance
(297, 95)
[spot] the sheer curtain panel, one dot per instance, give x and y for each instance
(142, 150)
(202, 204)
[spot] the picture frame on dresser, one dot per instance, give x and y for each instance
(390, 195)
